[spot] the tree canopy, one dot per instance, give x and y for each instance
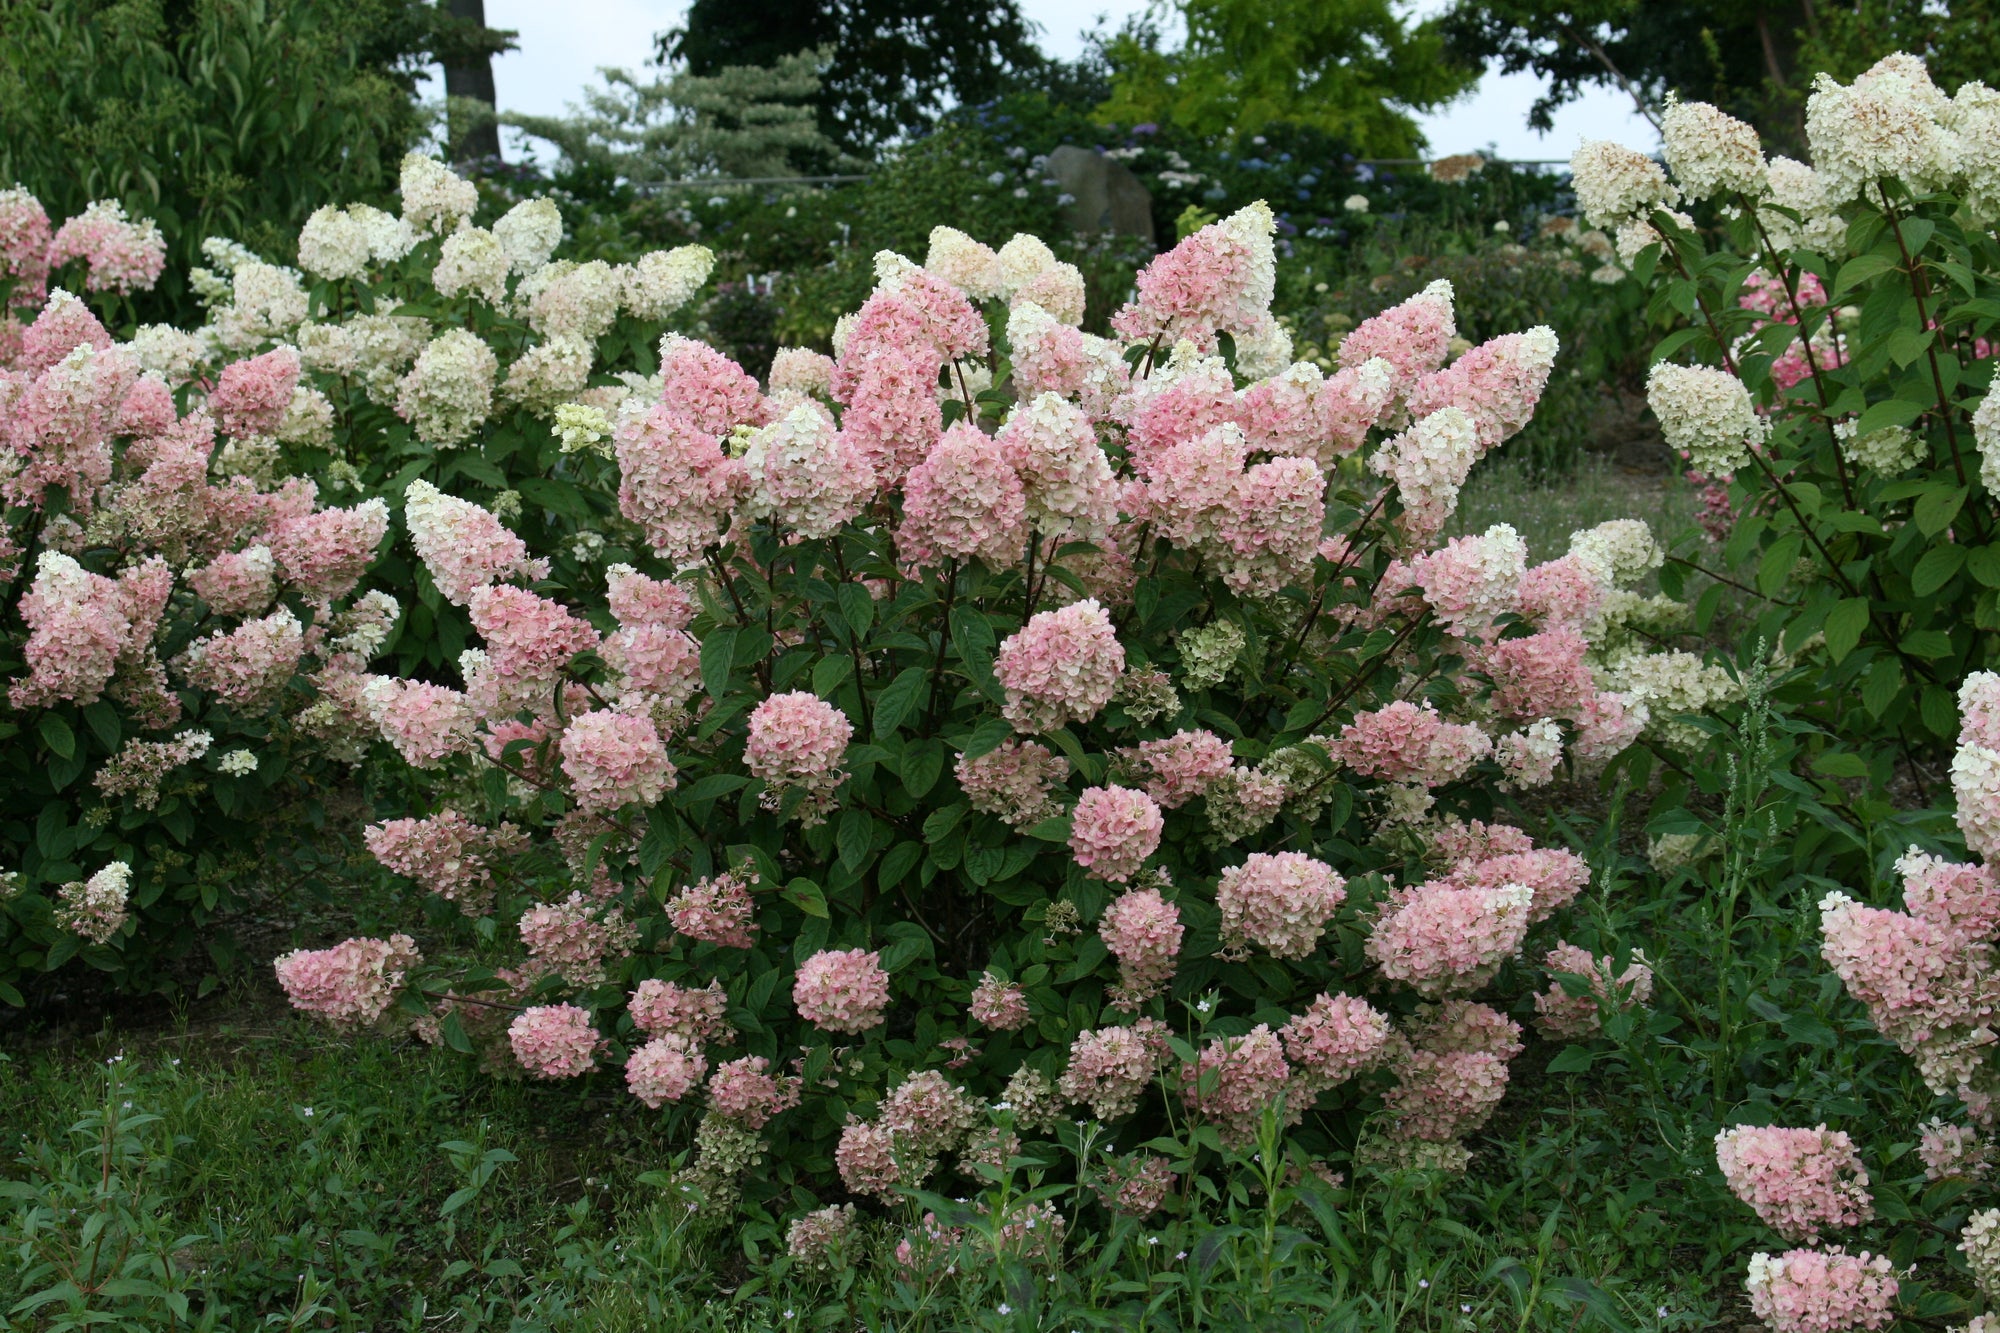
(1351, 69)
(893, 65)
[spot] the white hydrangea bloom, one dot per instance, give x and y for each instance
(1796, 186)
(665, 280)
(1986, 434)
(964, 263)
(448, 394)
(1710, 151)
(1622, 550)
(435, 198)
(166, 351)
(334, 244)
(529, 232)
(308, 419)
(1706, 415)
(1022, 260)
(267, 304)
(1888, 122)
(389, 237)
(237, 763)
(550, 372)
(565, 297)
(1889, 451)
(1613, 183)
(472, 260)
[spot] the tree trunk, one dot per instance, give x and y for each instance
(472, 79)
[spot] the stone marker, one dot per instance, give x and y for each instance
(1108, 197)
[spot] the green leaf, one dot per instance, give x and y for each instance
(1983, 563)
(1844, 626)
(1859, 270)
(718, 652)
(1780, 558)
(856, 835)
(1936, 508)
(1892, 412)
(898, 700)
(830, 673)
(972, 636)
(1840, 764)
(57, 736)
(898, 862)
(805, 895)
(987, 737)
(940, 822)
(1571, 1060)
(923, 762)
(103, 720)
(857, 608)
(1938, 567)
(1929, 644)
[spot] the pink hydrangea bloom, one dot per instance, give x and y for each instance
(1000, 1005)
(1979, 710)
(148, 408)
(866, 1156)
(1413, 338)
(554, 1041)
(1110, 1067)
(614, 759)
(717, 910)
(842, 990)
(662, 1008)
(1821, 1291)
(1113, 830)
(445, 853)
(1454, 843)
(1554, 875)
(529, 642)
(251, 664)
(1541, 675)
(96, 908)
(637, 600)
(1799, 1182)
(928, 1115)
(325, 553)
(1428, 463)
(574, 937)
(1235, 1080)
(119, 255)
(1279, 901)
(1138, 1185)
(802, 472)
(1062, 666)
(1015, 782)
(24, 246)
(963, 501)
(665, 1069)
(1473, 579)
(1221, 277)
(1350, 403)
(796, 742)
(350, 985)
(678, 485)
(801, 371)
(1337, 1037)
(1565, 1017)
(426, 723)
(1497, 384)
(77, 628)
(1961, 898)
(463, 546)
(236, 583)
(1452, 1072)
(893, 416)
(748, 1093)
(1178, 405)
(251, 396)
(1564, 594)
(1607, 724)
(1952, 1151)
(1068, 487)
(1440, 939)
(1182, 766)
(1143, 932)
(707, 387)
(1406, 742)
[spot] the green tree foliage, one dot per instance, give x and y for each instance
(1352, 69)
(1753, 58)
(895, 64)
(214, 117)
(741, 121)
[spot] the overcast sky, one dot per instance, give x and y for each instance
(565, 42)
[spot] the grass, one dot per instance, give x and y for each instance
(1546, 509)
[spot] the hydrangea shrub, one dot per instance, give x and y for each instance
(1837, 317)
(991, 724)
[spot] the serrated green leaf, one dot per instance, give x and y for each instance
(807, 896)
(898, 700)
(1890, 412)
(1571, 1060)
(1936, 508)
(1845, 624)
(718, 655)
(55, 734)
(1859, 270)
(1938, 567)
